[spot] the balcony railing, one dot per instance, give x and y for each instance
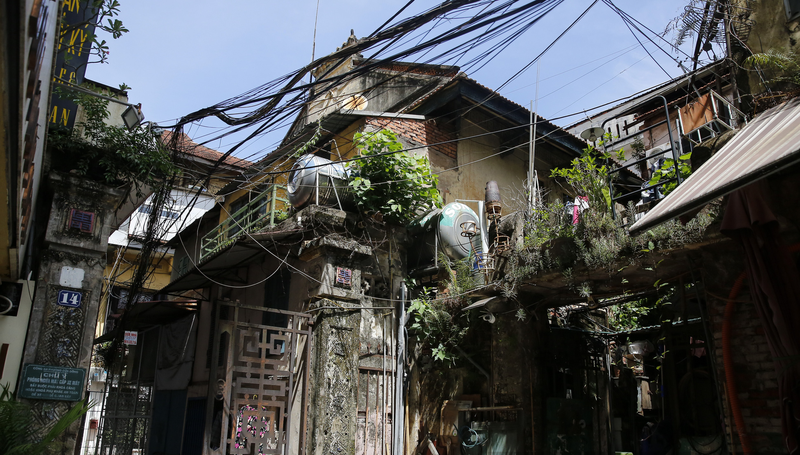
(256, 215)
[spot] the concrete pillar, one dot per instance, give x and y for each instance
(61, 330)
(333, 408)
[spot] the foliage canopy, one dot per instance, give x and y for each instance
(108, 153)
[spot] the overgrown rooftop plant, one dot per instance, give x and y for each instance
(386, 180)
(597, 241)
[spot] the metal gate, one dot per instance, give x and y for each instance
(260, 374)
(128, 397)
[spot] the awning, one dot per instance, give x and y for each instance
(224, 266)
(143, 315)
(768, 144)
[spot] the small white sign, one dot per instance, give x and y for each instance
(130, 338)
(71, 277)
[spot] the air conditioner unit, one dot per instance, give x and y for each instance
(10, 295)
(656, 153)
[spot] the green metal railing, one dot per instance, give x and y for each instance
(257, 214)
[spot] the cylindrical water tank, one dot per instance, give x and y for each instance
(443, 227)
(311, 173)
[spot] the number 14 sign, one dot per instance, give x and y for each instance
(70, 299)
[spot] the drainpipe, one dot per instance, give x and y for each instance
(398, 407)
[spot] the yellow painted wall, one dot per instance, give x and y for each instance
(343, 142)
(120, 273)
(13, 330)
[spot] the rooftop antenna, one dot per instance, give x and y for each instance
(314, 42)
(533, 182)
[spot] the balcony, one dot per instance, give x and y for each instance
(709, 116)
(258, 214)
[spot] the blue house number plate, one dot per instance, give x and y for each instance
(70, 299)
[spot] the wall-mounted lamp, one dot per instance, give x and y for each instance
(133, 116)
(592, 133)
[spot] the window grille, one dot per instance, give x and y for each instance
(81, 220)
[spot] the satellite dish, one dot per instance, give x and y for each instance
(355, 103)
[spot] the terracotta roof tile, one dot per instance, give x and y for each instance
(187, 145)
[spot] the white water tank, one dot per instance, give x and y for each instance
(311, 175)
(443, 228)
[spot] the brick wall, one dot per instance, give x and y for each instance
(754, 372)
(420, 132)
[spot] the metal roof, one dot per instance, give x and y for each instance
(768, 144)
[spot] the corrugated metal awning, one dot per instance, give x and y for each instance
(769, 143)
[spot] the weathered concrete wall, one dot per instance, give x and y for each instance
(351, 383)
(771, 31)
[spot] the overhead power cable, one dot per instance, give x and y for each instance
(266, 102)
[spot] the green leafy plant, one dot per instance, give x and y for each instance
(108, 153)
(435, 326)
(627, 316)
(19, 434)
(782, 66)
(386, 180)
(668, 171)
(281, 215)
(440, 322)
(588, 177)
(103, 15)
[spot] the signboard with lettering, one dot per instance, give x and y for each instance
(45, 382)
(70, 299)
(74, 45)
(130, 338)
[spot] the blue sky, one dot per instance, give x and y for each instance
(181, 56)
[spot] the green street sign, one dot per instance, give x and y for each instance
(45, 382)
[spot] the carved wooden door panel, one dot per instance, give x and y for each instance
(263, 387)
